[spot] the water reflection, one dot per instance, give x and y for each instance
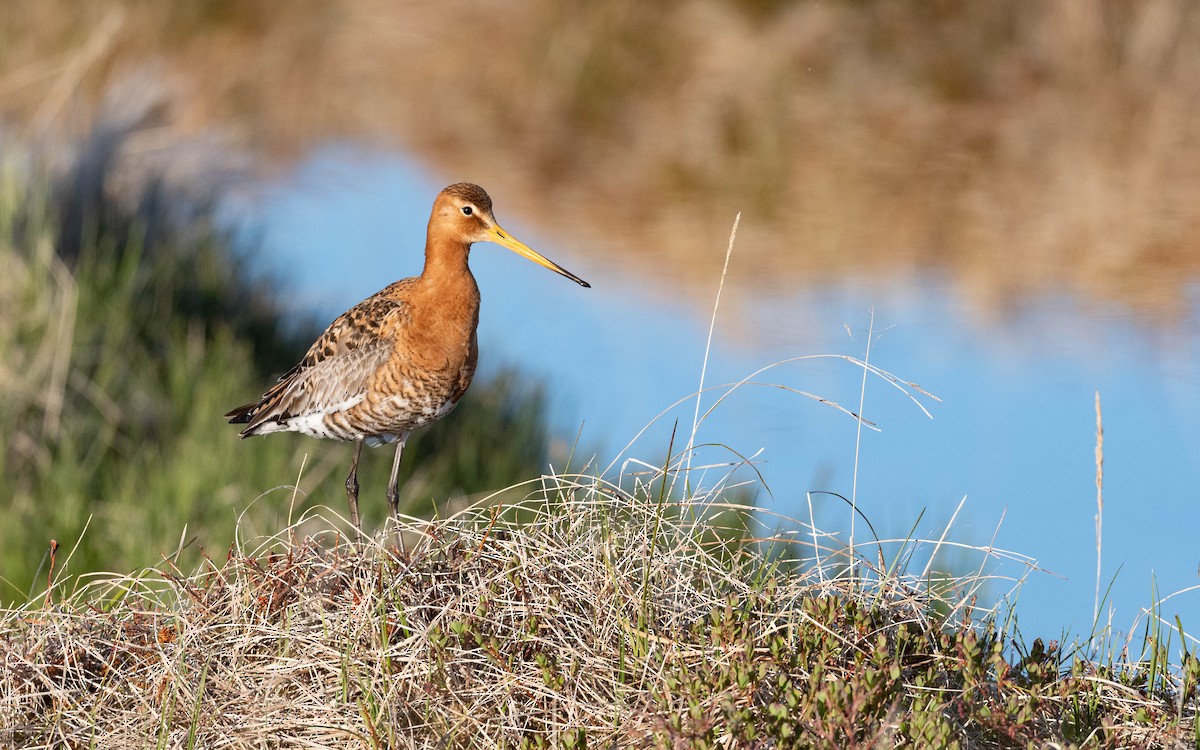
(1014, 434)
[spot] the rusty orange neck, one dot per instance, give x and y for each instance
(446, 260)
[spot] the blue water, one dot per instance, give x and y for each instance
(1013, 434)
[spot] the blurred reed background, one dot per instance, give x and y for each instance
(1016, 146)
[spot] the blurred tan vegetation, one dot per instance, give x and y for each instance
(1016, 146)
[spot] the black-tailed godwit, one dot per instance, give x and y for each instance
(400, 359)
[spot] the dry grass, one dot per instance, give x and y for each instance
(583, 617)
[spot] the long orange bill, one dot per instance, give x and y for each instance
(501, 237)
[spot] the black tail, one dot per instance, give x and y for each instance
(242, 414)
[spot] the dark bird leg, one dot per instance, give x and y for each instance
(352, 490)
(393, 492)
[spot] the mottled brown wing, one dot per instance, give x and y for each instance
(337, 368)
(361, 326)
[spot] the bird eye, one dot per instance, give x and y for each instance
(467, 210)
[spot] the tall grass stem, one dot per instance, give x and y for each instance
(712, 324)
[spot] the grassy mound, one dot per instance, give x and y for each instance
(582, 616)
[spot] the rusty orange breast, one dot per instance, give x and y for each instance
(434, 356)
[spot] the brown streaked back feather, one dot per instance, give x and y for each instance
(337, 367)
(361, 325)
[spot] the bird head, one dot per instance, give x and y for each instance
(464, 211)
